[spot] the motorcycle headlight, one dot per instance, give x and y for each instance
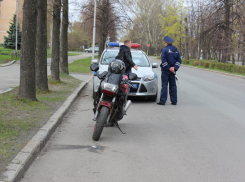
(149, 77)
(109, 87)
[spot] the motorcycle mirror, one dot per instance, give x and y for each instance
(132, 76)
(94, 67)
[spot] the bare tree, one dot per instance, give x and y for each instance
(27, 88)
(186, 40)
(41, 49)
(64, 39)
(56, 41)
(108, 20)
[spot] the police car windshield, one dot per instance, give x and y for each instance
(139, 58)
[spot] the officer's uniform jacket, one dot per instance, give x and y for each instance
(170, 58)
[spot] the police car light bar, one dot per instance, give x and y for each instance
(115, 44)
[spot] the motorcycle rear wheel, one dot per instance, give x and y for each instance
(99, 126)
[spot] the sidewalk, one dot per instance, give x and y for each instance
(17, 167)
(10, 75)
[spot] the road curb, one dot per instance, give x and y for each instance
(220, 72)
(19, 165)
(8, 64)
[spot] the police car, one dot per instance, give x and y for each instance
(147, 83)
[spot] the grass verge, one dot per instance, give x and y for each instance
(80, 66)
(217, 66)
(7, 58)
(214, 65)
(21, 119)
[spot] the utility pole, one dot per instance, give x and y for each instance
(94, 28)
(16, 27)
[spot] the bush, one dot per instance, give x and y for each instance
(212, 65)
(239, 69)
(229, 67)
(195, 63)
(206, 64)
(200, 63)
(184, 61)
(218, 66)
(223, 66)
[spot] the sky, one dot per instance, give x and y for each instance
(75, 9)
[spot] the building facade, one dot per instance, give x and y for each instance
(7, 11)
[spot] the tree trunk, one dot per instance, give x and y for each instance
(27, 88)
(41, 49)
(227, 32)
(64, 39)
(243, 58)
(56, 41)
(186, 40)
(233, 59)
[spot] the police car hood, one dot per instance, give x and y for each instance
(141, 72)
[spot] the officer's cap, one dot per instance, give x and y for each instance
(168, 39)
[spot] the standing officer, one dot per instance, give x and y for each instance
(171, 62)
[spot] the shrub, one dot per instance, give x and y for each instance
(200, 63)
(184, 61)
(212, 65)
(191, 62)
(239, 69)
(218, 65)
(223, 66)
(229, 67)
(195, 63)
(206, 64)
(243, 69)
(187, 62)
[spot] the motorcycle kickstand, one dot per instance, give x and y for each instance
(117, 125)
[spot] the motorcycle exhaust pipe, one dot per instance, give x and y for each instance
(128, 104)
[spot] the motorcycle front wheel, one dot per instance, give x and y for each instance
(99, 126)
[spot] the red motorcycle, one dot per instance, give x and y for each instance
(110, 103)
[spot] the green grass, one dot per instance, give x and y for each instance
(21, 119)
(73, 54)
(214, 65)
(80, 66)
(209, 60)
(7, 58)
(218, 70)
(5, 49)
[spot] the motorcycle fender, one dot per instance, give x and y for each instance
(105, 103)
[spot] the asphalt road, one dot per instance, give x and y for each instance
(10, 75)
(199, 140)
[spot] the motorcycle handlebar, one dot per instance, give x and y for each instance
(128, 82)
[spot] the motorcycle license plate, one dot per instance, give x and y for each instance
(135, 85)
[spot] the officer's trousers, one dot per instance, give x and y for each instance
(168, 77)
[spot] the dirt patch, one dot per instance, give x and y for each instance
(20, 120)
